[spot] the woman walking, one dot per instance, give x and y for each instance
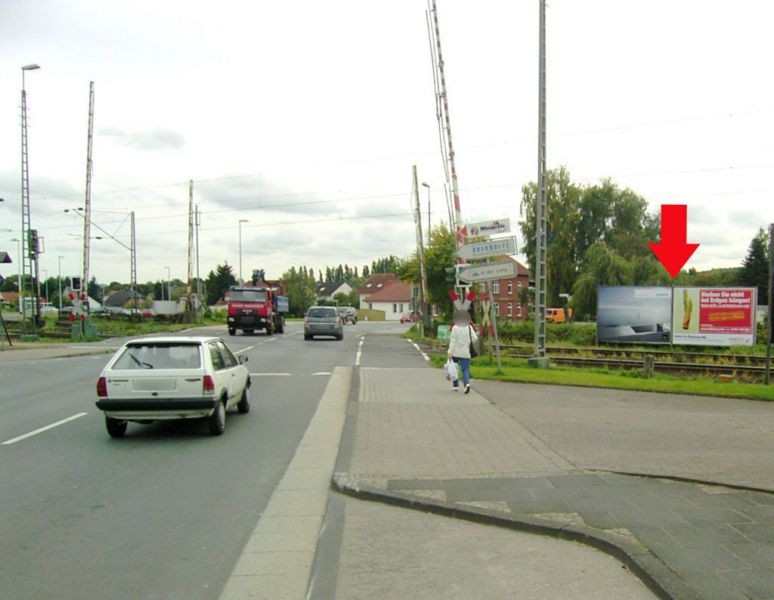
(462, 336)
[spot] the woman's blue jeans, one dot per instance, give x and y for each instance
(464, 364)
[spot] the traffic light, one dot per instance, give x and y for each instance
(32, 243)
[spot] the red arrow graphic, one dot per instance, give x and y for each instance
(673, 251)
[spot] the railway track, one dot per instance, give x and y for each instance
(742, 367)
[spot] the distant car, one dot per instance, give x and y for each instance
(347, 314)
(162, 378)
(323, 320)
(412, 318)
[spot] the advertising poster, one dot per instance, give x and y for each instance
(630, 314)
(714, 316)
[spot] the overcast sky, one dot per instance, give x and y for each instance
(306, 117)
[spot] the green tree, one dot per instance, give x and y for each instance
(300, 286)
(604, 267)
(755, 267)
(562, 218)
(439, 257)
(11, 284)
(218, 281)
(577, 218)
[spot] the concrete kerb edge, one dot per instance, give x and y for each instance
(659, 578)
(645, 565)
(720, 484)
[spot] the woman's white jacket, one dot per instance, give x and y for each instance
(459, 341)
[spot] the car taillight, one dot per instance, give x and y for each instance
(102, 387)
(208, 385)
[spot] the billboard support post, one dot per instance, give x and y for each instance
(771, 303)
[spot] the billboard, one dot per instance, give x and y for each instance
(630, 314)
(714, 316)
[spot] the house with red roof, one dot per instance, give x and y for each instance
(394, 299)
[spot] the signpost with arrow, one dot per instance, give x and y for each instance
(673, 251)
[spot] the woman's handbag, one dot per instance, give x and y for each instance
(473, 349)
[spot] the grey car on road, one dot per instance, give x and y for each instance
(323, 320)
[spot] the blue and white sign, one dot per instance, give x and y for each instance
(498, 247)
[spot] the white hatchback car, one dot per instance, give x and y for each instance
(159, 378)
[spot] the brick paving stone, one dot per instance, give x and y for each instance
(412, 434)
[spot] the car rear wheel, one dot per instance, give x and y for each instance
(231, 331)
(115, 427)
(217, 421)
(243, 406)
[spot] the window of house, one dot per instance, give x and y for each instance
(510, 287)
(394, 308)
(497, 309)
(520, 283)
(496, 287)
(509, 310)
(518, 311)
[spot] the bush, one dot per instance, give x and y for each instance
(580, 334)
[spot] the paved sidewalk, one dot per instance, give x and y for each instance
(412, 442)
(21, 351)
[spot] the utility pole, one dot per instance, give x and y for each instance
(133, 265)
(427, 185)
(539, 358)
(198, 278)
(420, 252)
(189, 303)
(28, 254)
(87, 209)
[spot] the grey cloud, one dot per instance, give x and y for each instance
(259, 194)
(156, 139)
(747, 219)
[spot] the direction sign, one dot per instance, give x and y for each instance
(493, 227)
(489, 248)
(497, 270)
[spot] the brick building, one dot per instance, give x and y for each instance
(509, 293)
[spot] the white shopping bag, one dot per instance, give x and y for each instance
(450, 370)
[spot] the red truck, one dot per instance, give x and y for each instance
(256, 307)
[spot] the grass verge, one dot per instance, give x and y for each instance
(518, 371)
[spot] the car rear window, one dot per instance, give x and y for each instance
(159, 356)
(322, 313)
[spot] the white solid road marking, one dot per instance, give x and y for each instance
(42, 429)
(270, 374)
(244, 349)
(359, 351)
(425, 356)
(290, 374)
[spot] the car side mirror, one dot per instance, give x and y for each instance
(242, 360)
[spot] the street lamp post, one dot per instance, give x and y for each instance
(169, 285)
(240, 249)
(19, 265)
(59, 280)
(427, 185)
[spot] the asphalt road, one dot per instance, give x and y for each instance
(166, 511)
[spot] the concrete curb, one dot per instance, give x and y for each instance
(50, 353)
(659, 578)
